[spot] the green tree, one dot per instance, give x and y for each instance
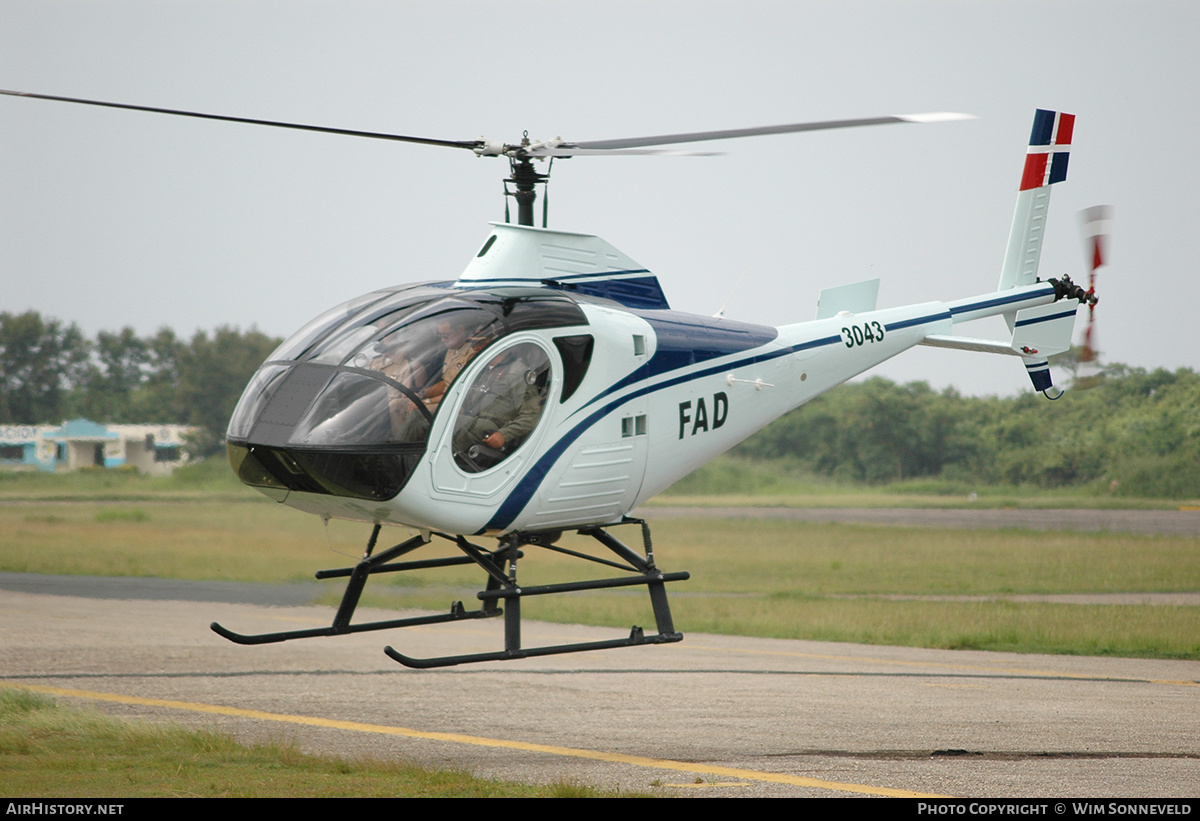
(157, 397)
(112, 375)
(1137, 433)
(213, 372)
(41, 360)
(874, 431)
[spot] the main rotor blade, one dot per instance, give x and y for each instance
(470, 145)
(698, 136)
(614, 152)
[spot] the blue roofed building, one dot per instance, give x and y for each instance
(79, 443)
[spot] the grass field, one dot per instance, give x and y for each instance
(749, 577)
(726, 481)
(51, 750)
(730, 481)
(211, 479)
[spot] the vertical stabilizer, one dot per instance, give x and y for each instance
(1045, 164)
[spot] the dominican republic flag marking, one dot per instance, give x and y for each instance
(1049, 149)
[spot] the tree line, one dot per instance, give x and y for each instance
(50, 371)
(1136, 433)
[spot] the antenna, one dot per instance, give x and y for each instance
(721, 313)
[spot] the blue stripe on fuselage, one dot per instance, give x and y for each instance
(563, 278)
(523, 492)
(642, 293)
(991, 303)
(671, 355)
(683, 340)
(921, 320)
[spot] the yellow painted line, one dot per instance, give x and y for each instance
(1013, 671)
(479, 741)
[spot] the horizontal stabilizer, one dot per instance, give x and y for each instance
(966, 343)
(1045, 330)
(1039, 332)
(857, 299)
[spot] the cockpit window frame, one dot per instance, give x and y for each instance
(514, 310)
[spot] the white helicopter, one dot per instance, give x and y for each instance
(551, 388)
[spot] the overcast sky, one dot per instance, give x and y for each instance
(114, 218)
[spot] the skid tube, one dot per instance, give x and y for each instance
(502, 585)
(370, 564)
(501, 567)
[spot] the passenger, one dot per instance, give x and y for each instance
(407, 422)
(501, 408)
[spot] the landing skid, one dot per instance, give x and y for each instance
(500, 565)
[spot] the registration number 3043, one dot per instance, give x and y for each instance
(862, 334)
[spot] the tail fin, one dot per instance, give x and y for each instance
(1045, 164)
(1047, 329)
(1041, 317)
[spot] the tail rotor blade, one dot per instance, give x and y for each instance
(1096, 225)
(1097, 228)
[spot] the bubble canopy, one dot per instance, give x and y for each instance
(345, 406)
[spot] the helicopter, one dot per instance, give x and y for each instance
(551, 388)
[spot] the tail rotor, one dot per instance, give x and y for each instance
(1096, 224)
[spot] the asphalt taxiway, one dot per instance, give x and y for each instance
(713, 715)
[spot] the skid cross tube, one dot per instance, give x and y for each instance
(500, 567)
(504, 586)
(358, 579)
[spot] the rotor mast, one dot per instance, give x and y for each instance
(524, 180)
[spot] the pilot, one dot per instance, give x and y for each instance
(463, 340)
(501, 408)
(392, 363)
